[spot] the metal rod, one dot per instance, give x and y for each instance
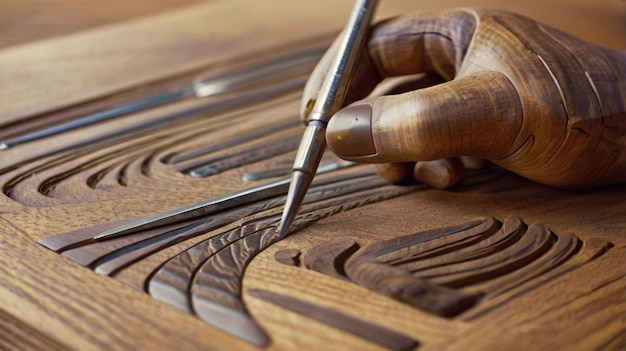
(101, 116)
(204, 85)
(228, 201)
(330, 99)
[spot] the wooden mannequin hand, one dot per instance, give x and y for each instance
(527, 97)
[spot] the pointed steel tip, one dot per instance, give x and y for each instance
(4, 146)
(289, 213)
(285, 223)
(300, 182)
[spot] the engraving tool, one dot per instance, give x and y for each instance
(330, 99)
(203, 208)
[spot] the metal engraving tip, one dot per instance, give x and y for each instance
(4, 146)
(300, 182)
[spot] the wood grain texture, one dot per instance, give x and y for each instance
(288, 256)
(565, 292)
(556, 103)
(206, 279)
(485, 257)
(384, 337)
(18, 336)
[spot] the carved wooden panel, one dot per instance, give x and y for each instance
(152, 224)
(450, 271)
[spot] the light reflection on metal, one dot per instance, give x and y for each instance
(331, 97)
(204, 85)
(228, 201)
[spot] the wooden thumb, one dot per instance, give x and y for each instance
(476, 115)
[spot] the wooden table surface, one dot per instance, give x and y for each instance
(497, 263)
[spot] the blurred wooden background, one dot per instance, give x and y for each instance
(25, 21)
(22, 21)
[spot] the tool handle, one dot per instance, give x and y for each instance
(332, 94)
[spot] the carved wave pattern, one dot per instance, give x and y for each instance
(197, 263)
(465, 270)
(177, 124)
(205, 278)
(108, 169)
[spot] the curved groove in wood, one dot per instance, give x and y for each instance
(253, 154)
(215, 279)
(45, 174)
(289, 257)
(206, 278)
(560, 262)
(468, 269)
(367, 268)
(182, 156)
(422, 245)
(329, 258)
(535, 242)
(510, 232)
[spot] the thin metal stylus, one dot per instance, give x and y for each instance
(204, 85)
(330, 99)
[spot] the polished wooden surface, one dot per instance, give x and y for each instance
(50, 302)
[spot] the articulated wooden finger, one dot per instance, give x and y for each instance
(423, 42)
(418, 43)
(477, 115)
